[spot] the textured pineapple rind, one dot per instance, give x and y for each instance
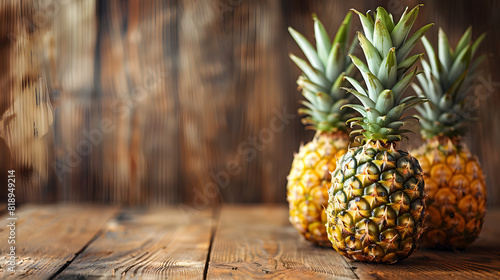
(376, 204)
(308, 182)
(456, 188)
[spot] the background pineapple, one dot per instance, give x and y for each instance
(376, 203)
(453, 177)
(320, 82)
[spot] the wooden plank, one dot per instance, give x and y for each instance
(49, 236)
(147, 244)
(259, 242)
(481, 260)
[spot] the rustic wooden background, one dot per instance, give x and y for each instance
(163, 102)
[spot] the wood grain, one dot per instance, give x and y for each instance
(244, 242)
(158, 243)
(481, 260)
(47, 237)
(259, 242)
(191, 90)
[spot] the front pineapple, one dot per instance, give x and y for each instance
(454, 179)
(310, 173)
(376, 203)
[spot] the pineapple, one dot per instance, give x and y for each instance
(321, 83)
(376, 203)
(454, 179)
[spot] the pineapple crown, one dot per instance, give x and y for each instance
(322, 77)
(386, 47)
(446, 83)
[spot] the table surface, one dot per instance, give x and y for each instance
(242, 242)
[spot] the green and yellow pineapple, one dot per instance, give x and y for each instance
(454, 180)
(376, 203)
(321, 84)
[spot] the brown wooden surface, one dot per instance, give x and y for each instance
(258, 242)
(147, 244)
(190, 89)
(47, 237)
(240, 242)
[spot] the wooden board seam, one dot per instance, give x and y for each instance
(94, 238)
(213, 231)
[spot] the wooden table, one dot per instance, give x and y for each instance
(91, 241)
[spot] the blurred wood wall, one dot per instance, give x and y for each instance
(182, 100)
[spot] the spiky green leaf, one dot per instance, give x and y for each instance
(388, 71)
(323, 43)
(366, 23)
(403, 27)
(381, 38)
(372, 55)
(307, 48)
(406, 48)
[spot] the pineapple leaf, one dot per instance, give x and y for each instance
(358, 108)
(314, 75)
(455, 88)
(435, 88)
(324, 101)
(369, 17)
(335, 91)
(395, 125)
(356, 85)
(307, 48)
(364, 72)
(409, 99)
(403, 84)
(384, 17)
(350, 69)
(464, 42)
(315, 114)
(305, 83)
(323, 43)
(343, 32)
(367, 102)
(437, 68)
(356, 131)
(417, 90)
(446, 102)
(372, 55)
(421, 111)
(352, 47)
(444, 50)
(334, 66)
(367, 24)
(374, 86)
(403, 27)
(461, 63)
(311, 97)
(381, 38)
(338, 105)
(406, 48)
(372, 113)
(308, 105)
(425, 87)
(354, 120)
(385, 101)
(477, 43)
(396, 112)
(388, 71)
(415, 102)
(408, 63)
(427, 69)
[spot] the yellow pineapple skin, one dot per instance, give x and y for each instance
(308, 183)
(456, 202)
